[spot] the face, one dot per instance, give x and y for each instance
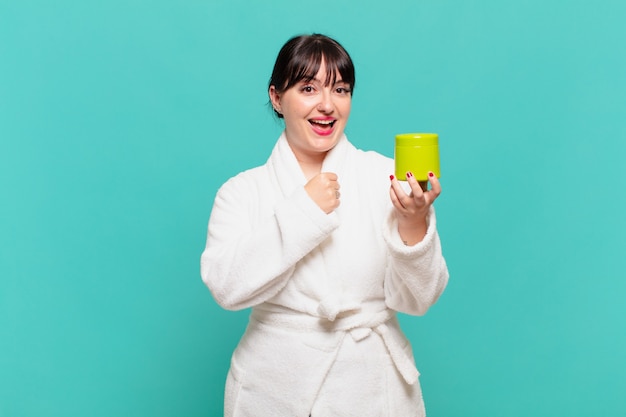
(315, 115)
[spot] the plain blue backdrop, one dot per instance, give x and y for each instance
(120, 119)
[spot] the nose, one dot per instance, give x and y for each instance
(326, 104)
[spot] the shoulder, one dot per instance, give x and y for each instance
(245, 182)
(377, 158)
(375, 161)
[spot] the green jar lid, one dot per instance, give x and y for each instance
(417, 139)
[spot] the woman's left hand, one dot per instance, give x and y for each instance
(412, 208)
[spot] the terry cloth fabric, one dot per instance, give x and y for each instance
(312, 279)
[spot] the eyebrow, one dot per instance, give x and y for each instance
(337, 80)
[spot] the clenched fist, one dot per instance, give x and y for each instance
(324, 190)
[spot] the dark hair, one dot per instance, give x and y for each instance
(301, 57)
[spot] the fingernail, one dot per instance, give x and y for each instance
(409, 174)
(430, 174)
(391, 177)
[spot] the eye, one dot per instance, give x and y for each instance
(307, 89)
(343, 90)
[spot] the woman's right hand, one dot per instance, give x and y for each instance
(324, 191)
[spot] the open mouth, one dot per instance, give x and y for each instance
(322, 124)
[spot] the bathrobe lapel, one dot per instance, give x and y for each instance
(288, 176)
(287, 172)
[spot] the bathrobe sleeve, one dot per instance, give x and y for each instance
(416, 275)
(255, 239)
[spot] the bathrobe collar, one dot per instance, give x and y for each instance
(288, 172)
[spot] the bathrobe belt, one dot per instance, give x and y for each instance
(357, 323)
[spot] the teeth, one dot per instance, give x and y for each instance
(323, 122)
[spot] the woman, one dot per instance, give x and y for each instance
(325, 249)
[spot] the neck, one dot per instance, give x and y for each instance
(310, 163)
(310, 167)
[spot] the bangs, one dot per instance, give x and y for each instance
(306, 68)
(302, 57)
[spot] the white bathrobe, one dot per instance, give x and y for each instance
(323, 337)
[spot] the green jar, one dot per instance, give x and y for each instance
(418, 153)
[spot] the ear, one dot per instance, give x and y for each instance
(275, 98)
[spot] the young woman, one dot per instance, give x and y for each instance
(326, 247)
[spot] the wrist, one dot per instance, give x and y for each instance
(412, 232)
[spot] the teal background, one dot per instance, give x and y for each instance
(120, 119)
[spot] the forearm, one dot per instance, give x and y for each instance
(247, 261)
(412, 232)
(417, 274)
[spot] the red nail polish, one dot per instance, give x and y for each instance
(409, 174)
(430, 174)
(391, 177)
